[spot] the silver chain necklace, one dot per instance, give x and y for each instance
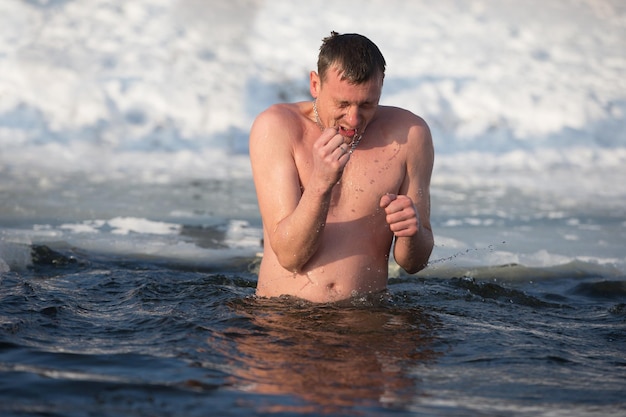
(355, 141)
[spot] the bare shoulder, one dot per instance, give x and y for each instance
(401, 116)
(281, 110)
(283, 117)
(273, 142)
(405, 126)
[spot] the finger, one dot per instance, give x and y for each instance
(335, 147)
(330, 147)
(398, 217)
(400, 203)
(331, 136)
(344, 154)
(407, 227)
(386, 199)
(408, 232)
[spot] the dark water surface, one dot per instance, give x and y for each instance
(84, 336)
(124, 148)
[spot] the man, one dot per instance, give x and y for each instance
(338, 178)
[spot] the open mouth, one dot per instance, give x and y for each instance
(347, 132)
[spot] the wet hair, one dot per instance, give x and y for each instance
(357, 57)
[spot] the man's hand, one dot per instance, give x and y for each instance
(330, 156)
(402, 216)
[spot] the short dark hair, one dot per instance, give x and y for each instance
(357, 57)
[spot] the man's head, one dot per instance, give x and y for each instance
(348, 84)
(358, 58)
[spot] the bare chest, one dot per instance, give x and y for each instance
(369, 174)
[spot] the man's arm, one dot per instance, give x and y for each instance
(293, 219)
(408, 214)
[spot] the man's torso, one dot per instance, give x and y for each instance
(353, 254)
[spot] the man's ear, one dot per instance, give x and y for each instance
(315, 84)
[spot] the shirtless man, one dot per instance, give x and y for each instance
(338, 179)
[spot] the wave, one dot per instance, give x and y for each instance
(212, 252)
(191, 114)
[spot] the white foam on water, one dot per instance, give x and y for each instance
(126, 225)
(99, 87)
(133, 238)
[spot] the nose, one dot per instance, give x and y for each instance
(353, 116)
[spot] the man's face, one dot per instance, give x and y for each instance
(348, 106)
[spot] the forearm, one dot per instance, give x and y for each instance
(296, 238)
(412, 253)
(294, 219)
